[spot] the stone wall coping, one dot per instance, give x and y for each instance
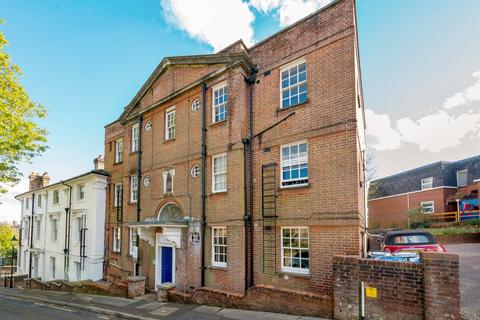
(166, 286)
(136, 278)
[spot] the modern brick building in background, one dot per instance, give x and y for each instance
(243, 167)
(438, 187)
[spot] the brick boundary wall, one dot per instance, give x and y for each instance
(428, 290)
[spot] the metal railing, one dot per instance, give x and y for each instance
(454, 216)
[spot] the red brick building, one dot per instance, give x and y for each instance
(435, 188)
(243, 167)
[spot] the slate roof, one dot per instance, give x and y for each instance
(444, 173)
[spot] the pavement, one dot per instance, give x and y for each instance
(469, 254)
(28, 303)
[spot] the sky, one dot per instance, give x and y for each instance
(84, 60)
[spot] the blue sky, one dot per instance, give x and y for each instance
(85, 60)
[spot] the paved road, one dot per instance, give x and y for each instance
(469, 278)
(13, 309)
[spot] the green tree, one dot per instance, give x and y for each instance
(21, 139)
(6, 235)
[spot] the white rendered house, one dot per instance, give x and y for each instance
(62, 227)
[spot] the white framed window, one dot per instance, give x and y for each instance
(117, 236)
(56, 197)
(27, 203)
(219, 246)
(78, 270)
(39, 201)
(295, 250)
(81, 191)
(219, 173)
(117, 196)
(294, 160)
(196, 105)
(135, 138)
(118, 150)
(37, 229)
(78, 228)
(293, 84)
(427, 206)
(168, 181)
(462, 178)
(195, 171)
(52, 268)
(427, 183)
(53, 229)
(133, 241)
(170, 123)
(219, 102)
(133, 189)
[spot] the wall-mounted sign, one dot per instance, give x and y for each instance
(371, 292)
(195, 237)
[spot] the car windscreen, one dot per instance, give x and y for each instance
(410, 239)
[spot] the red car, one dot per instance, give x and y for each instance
(410, 240)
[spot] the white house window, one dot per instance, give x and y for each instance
(220, 98)
(118, 150)
(117, 197)
(133, 189)
(293, 84)
(427, 183)
(219, 173)
(116, 239)
(37, 229)
(79, 228)
(56, 196)
(195, 172)
(78, 270)
(133, 240)
(81, 191)
(170, 124)
(52, 267)
(219, 246)
(462, 178)
(427, 206)
(53, 229)
(135, 138)
(168, 181)
(294, 160)
(39, 201)
(295, 252)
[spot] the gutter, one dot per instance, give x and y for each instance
(204, 169)
(66, 250)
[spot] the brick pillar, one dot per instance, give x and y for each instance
(441, 285)
(346, 292)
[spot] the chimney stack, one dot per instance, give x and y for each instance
(99, 163)
(38, 181)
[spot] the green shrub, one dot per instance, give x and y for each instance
(417, 219)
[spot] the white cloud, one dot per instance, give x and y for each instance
(9, 206)
(216, 22)
(289, 10)
(439, 130)
(469, 95)
(380, 132)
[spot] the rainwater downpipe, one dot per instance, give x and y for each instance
(66, 250)
(204, 169)
(139, 177)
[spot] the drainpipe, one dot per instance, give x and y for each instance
(66, 250)
(139, 177)
(204, 169)
(31, 238)
(249, 209)
(245, 142)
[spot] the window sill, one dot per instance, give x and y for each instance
(280, 109)
(168, 194)
(166, 141)
(117, 163)
(218, 268)
(218, 192)
(295, 274)
(214, 124)
(134, 152)
(295, 186)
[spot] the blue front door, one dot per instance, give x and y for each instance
(166, 264)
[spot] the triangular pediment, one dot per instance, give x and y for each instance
(174, 75)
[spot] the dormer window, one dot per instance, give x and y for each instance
(427, 183)
(462, 178)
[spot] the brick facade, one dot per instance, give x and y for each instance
(331, 122)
